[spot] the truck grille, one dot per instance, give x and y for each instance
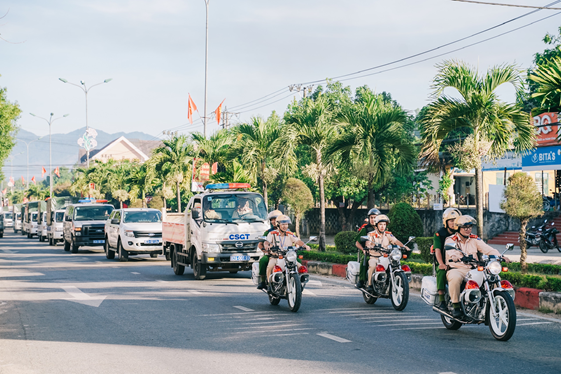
(147, 234)
(239, 246)
(93, 231)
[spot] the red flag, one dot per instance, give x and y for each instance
(218, 112)
(43, 171)
(22, 180)
(191, 107)
(33, 179)
(57, 172)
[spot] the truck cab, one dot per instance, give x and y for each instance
(219, 231)
(84, 224)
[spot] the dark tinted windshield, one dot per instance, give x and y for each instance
(92, 213)
(234, 207)
(59, 216)
(142, 217)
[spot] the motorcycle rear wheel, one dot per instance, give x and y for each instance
(368, 299)
(294, 297)
(449, 323)
(505, 307)
(543, 246)
(274, 300)
(400, 292)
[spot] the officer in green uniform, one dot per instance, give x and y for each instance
(448, 229)
(265, 258)
(360, 244)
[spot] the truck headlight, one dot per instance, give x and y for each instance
(129, 233)
(209, 247)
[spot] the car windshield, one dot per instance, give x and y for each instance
(235, 207)
(34, 216)
(59, 216)
(92, 213)
(8, 215)
(142, 217)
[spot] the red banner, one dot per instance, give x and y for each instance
(547, 128)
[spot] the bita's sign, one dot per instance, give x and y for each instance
(547, 128)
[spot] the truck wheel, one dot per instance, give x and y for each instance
(66, 246)
(123, 254)
(178, 269)
(199, 270)
(73, 247)
(109, 254)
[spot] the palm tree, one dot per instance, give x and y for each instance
(374, 131)
(256, 145)
(310, 123)
(496, 126)
(172, 161)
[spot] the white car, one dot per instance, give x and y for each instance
(56, 229)
(132, 231)
(42, 228)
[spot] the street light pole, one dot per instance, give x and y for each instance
(206, 64)
(50, 121)
(86, 89)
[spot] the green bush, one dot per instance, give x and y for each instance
(404, 222)
(424, 246)
(345, 242)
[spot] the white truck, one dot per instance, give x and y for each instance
(219, 231)
(133, 231)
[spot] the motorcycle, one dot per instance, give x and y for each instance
(390, 279)
(548, 239)
(485, 297)
(286, 281)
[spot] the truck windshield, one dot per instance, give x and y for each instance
(8, 215)
(235, 207)
(92, 213)
(142, 217)
(59, 216)
(34, 216)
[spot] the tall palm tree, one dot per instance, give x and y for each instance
(310, 123)
(496, 126)
(374, 132)
(256, 145)
(172, 161)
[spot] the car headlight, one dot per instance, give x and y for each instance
(211, 247)
(396, 254)
(291, 256)
(129, 233)
(494, 267)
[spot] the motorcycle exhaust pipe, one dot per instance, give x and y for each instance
(472, 296)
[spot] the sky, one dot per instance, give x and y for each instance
(154, 52)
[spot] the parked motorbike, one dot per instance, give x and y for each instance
(286, 281)
(485, 297)
(548, 238)
(390, 279)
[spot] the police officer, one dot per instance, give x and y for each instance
(272, 217)
(439, 238)
(467, 244)
(380, 236)
(360, 244)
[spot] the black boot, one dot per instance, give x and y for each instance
(457, 313)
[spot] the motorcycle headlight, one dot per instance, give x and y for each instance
(494, 267)
(291, 256)
(396, 254)
(211, 247)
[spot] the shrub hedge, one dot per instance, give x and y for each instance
(404, 222)
(345, 242)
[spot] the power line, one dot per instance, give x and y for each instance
(506, 5)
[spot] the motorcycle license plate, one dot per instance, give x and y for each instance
(239, 258)
(99, 241)
(152, 241)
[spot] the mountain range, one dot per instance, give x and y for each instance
(65, 150)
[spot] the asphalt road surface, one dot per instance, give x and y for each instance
(81, 313)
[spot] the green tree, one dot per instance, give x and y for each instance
(374, 136)
(496, 126)
(523, 201)
(172, 162)
(9, 113)
(298, 196)
(310, 123)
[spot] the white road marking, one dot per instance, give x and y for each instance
(135, 273)
(308, 292)
(532, 324)
(83, 298)
(242, 308)
(332, 337)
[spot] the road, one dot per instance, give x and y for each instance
(81, 313)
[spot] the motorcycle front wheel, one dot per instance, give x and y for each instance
(294, 296)
(400, 292)
(503, 325)
(543, 246)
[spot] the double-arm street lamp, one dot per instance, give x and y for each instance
(83, 87)
(50, 121)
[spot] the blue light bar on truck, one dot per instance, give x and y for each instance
(231, 185)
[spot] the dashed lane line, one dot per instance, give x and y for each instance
(243, 308)
(332, 337)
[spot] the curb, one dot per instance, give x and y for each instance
(529, 298)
